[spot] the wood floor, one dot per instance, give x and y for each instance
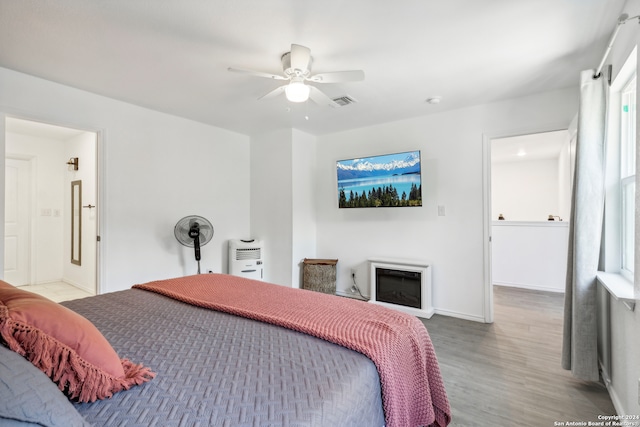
(508, 373)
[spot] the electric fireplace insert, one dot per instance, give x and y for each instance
(399, 287)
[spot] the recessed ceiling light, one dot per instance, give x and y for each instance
(434, 100)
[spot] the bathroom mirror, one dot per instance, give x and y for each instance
(76, 222)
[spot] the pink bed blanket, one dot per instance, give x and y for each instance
(413, 392)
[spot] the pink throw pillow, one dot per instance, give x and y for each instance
(65, 346)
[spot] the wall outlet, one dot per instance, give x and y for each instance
(353, 273)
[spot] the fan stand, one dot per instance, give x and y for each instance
(196, 248)
(194, 232)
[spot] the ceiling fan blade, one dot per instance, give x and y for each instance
(257, 73)
(338, 76)
(277, 91)
(300, 57)
(320, 98)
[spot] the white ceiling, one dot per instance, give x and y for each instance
(173, 55)
(537, 146)
(40, 130)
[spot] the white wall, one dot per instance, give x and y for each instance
(156, 168)
(526, 190)
(531, 255)
(451, 151)
(271, 202)
(84, 147)
(304, 202)
(48, 166)
(283, 194)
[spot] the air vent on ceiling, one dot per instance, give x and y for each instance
(344, 100)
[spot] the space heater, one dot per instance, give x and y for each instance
(246, 259)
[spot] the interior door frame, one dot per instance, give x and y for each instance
(487, 137)
(100, 181)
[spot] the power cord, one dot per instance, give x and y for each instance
(355, 287)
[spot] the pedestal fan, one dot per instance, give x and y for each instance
(194, 231)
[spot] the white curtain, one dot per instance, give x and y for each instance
(579, 350)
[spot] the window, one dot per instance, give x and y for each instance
(628, 174)
(620, 177)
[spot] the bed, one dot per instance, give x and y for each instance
(227, 351)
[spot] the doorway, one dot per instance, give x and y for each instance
(527, 196)
(41, 162)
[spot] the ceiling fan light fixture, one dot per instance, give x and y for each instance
(297, 91)
(296, 67)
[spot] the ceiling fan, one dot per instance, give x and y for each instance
(296, 65)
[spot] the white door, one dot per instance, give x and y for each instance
(17, 220)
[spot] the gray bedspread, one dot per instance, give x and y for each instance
(215, 369)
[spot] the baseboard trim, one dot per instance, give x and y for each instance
(79, 286)
(530, 287)
(463, 316)
(46, 282)
(439, 311)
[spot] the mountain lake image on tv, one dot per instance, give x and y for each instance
(390, 180)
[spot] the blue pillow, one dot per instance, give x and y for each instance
(29, 398)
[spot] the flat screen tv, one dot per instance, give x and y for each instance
(389, 180)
